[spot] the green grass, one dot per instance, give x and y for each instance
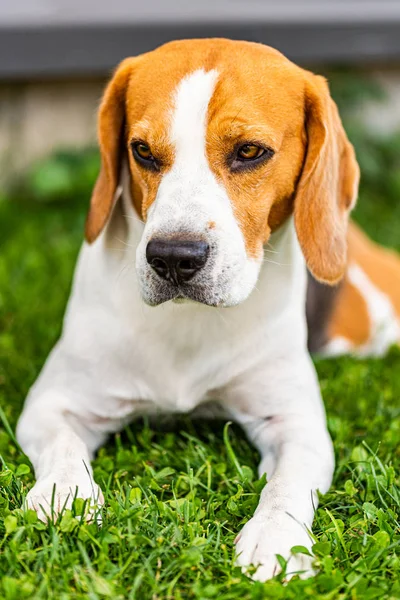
(175, 499)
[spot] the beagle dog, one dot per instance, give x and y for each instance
(225, 174)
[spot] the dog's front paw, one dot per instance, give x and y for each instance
(50, 496)
(263, 537)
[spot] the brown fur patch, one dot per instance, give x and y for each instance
(254, 105)
(350, 318)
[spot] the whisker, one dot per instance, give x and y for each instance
(134, 218)
(123, 271)
(125, 243)
(274, 262)
(219, 313)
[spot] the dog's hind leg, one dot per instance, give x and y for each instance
(360, 316)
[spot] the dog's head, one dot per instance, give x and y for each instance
(224, 141)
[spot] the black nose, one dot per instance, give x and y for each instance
(176, 260)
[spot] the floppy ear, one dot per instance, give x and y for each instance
(111, 124)
(328, 186)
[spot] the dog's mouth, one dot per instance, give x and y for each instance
(179, 295)
(197, 299)
(156, 291)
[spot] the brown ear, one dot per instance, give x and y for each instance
(110, 135)
(328, 186)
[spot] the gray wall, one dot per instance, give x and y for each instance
(78, 37)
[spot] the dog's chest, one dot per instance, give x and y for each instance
(177, 364)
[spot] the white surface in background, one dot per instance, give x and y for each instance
(384, 117)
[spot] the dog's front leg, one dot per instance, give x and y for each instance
(284, 418)
(60, 445)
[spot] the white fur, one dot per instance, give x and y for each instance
(337, 346)
(119, 358)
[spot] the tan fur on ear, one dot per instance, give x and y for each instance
(110, 133)
(328, 186)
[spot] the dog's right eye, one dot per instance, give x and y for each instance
(250, 152)
(142, 153)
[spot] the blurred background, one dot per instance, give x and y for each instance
(55, 56)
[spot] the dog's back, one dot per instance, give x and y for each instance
(361, 314)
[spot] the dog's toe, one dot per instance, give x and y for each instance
(49, 498)
(263, 538)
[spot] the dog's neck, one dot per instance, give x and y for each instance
(280, 289)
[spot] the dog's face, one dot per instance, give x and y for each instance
(225, 140)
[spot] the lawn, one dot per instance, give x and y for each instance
(175, 499)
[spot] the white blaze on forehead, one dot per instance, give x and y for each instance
(189, 197)
(189, 118)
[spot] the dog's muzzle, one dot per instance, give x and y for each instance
(177, 261)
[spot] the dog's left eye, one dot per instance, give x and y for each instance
(142, 153)
(142, 150)
(249, 156)
(250, 152)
